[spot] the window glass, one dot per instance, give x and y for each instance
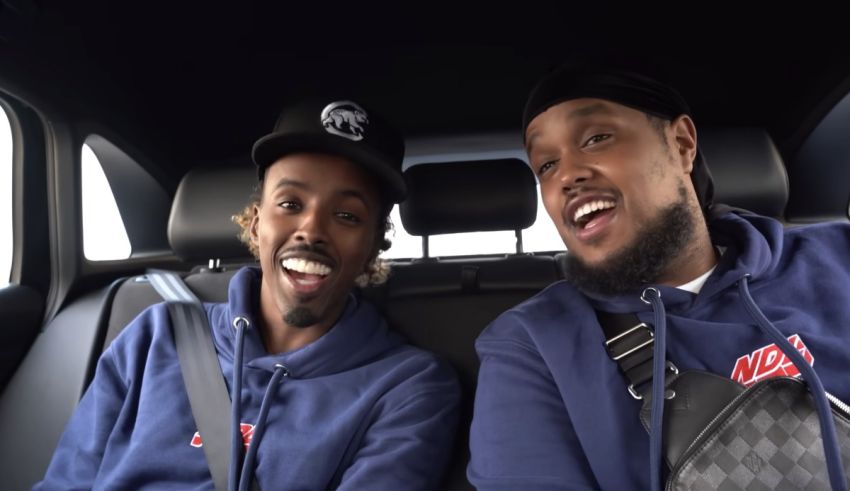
(104, 235)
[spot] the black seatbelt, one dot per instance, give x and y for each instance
(202, 375)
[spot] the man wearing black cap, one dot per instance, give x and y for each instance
(560, 390)
(324, 395)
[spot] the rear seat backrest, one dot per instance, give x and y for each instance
(439, 304)
(136, 294)
(443, 304)
(200, 231)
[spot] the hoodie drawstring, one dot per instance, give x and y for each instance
(652, 297)
(260, 427)
(830, 441)
(237, 481)
(236, 440)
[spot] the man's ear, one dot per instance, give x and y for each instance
(378, 244)
(376, 249)
(685, 138)
(255, 219)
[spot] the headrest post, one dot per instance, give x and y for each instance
(215, 265)
(518, 233)
(425, 246)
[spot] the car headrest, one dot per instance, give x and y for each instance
(475, 196)
(747, 169)
(200, 225)
(469, 196)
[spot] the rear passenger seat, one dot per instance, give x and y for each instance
(440, 304)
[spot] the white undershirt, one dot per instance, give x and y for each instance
(695, 285)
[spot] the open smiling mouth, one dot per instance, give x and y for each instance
(592, 216)
(305, 276)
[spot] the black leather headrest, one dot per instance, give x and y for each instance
(473, 196)
(747, 169)
(200, 225)
(470, 196)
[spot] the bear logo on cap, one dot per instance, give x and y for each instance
(345, 119)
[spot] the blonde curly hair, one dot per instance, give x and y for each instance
(377, 272)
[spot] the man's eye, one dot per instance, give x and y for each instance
(593, 140)
(545, 166)
(348, 217)
(290, 205)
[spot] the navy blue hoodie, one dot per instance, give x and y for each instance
(552, 410)
(359, 410)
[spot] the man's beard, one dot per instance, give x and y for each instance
(300, 317)
(658, 242)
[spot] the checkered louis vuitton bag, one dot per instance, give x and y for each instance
(719, 435)
(767, 438)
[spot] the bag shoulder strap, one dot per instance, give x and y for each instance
(205, 385)
(629, 342)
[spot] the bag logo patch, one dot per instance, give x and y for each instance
(247, 434)
(769, 361)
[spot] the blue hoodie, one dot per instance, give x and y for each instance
(552, 410)
(359, 410)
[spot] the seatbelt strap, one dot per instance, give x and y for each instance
(202, 375)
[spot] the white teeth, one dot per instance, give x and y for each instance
(588, 208)
(305, 266)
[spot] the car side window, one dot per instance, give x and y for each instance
(104, 235)
(6, 228)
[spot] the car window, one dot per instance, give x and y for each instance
(104, 235)
(6, 229)
(540, 237)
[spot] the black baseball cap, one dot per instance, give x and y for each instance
(623, 87)
(337, 127)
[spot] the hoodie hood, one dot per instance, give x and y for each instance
(754, 246)
(359, 335)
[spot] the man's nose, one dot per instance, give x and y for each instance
(573, 173)
(312, 228)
